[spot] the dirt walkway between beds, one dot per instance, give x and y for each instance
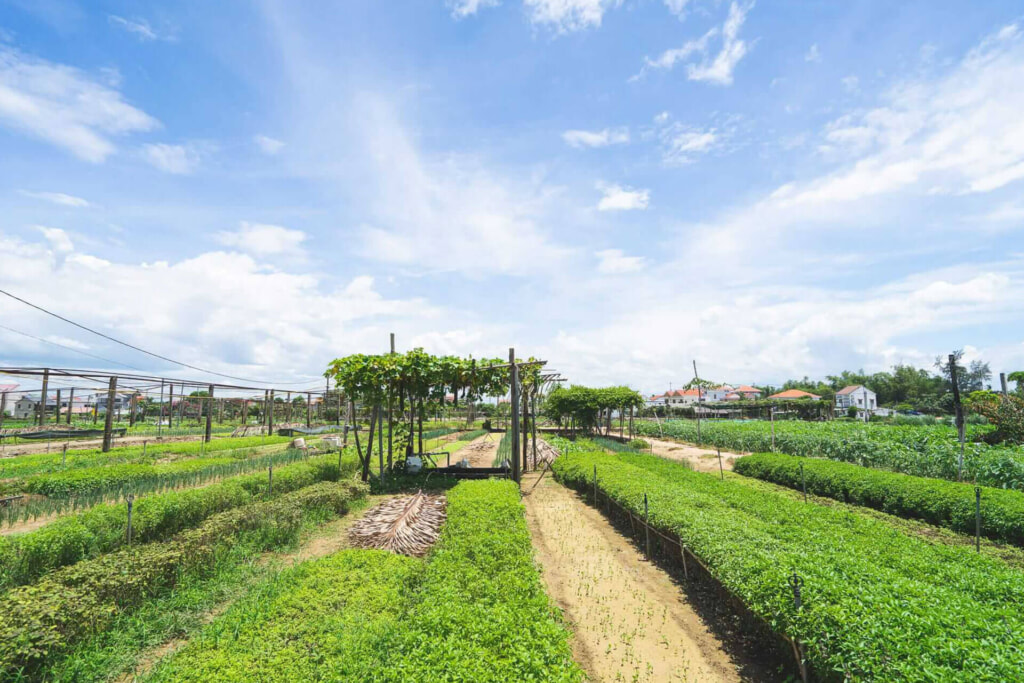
(480, 452)
(702, 459)
(632, 622)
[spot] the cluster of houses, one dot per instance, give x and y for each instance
(853, 396)
(26, 406)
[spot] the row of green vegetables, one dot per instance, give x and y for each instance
(102, 529)
(943, 503)
(41, 621)
(476, 611)
(57, 461)
(925, 451)
(876, 604)
(82, 489)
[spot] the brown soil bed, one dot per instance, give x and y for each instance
(631, 619)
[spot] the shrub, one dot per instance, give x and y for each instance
(942, 503)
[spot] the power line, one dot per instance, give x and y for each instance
(69, 348)
(136, 348)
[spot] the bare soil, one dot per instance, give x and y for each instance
(631, 620)
(480, 452)
(9, 451)
(700, 458)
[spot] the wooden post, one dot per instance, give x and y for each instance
(647, 528)
(1002, 384)
(209, 416)
(696, 377)
(380, 442)
(108, 419)
(309, 407)
(132, 406)
(270, 480)
(130, 498)
(3, 408)
(533, 424)
(958, 407)
(289, 401)
(71, 405)
(56, 417)
(526, 434)
(42, 400)
(270, 415)
(514, 374)
(170, 407)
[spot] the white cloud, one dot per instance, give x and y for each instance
(717, 69)
(58, 239)
(64, 107)
(682, 144)
(263, 240)
(58, 198)
(140, 28)
(465, 8)
(268, 145)
(176, 159)
(813, 54)
(597, 138)
(615, 262)
(620, 198)
(677, 7)
(565, 16)
(264, 322)
(960, 133)
(850, 83)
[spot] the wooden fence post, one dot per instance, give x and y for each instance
(209, 416)
(56, 409)
(42, 399)
(108, 419)
(514, 410)
(131, 501)
(71, 405)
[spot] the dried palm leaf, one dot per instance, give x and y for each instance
(407, 525)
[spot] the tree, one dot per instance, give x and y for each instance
(969, 378)
(1018, 377)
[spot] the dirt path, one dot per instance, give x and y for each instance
(632, 623)
(480, 452)
(700, 458)
(326, 540)
(54, 446)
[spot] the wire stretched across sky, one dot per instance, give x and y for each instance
(136, 348)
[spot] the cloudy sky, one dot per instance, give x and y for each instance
(772, 189)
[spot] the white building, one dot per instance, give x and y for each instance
(857, 396)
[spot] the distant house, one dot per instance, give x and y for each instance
(742, 392)
(655, 401)
(26, 407)
(793, 394)
(857, 396)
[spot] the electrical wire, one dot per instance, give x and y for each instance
(69, 348)
(140, 350)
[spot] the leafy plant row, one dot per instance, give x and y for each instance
(476, 612)
(475, 434)
(943, 503)
(41, 620)
(924, 451)
(45, 463)
(83, 489)
(877, 605)
(25, 557)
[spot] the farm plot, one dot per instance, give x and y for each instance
(921, 450)
(102, 529)
(874, 604)
(474, 611)
(39, 622)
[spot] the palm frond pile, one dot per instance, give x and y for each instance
(407, 525)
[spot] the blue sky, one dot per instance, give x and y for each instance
(773, 189)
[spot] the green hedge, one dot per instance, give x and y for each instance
(943, 503)
(878, 605)
(40, 620)
(25, 557)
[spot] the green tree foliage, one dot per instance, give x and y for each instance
(585, 405)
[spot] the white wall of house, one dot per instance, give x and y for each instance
(861, 397)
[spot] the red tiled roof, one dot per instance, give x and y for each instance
(848, 390)
(794, 393)
(748, 390)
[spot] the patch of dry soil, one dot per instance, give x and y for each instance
(700, 459)
(632, 623)
(480, 452)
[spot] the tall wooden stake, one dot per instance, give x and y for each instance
(71, 405)
(209, 416)
(3, 408)
(42, 399)
(958, 407)
(514, 374)
(309, 408)
(270, 415)
(56, 417)
(108, 419)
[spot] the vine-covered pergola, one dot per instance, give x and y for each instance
(396, 388)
